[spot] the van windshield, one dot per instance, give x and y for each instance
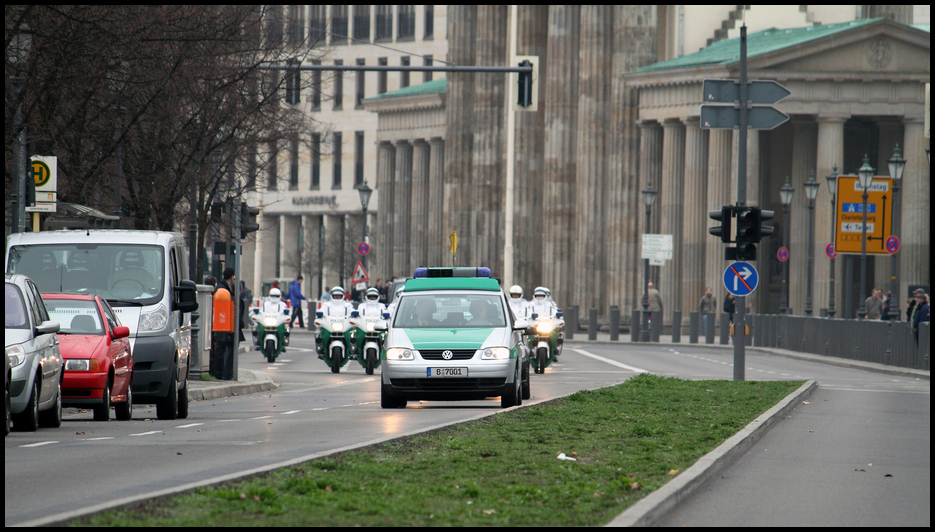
(118, 272)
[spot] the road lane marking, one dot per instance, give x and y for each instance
(147, 433)
(289, 413)
(189, 425)
(262, 417)
(98, 439)
(39, 444)
(609, 361)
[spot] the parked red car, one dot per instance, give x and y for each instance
(96, 349)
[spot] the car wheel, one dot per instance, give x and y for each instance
(102, 411)
(28, 420)
(183, 401)
(124, 411)
(388, 401)
(52, 417)
(168, 407)
(514, 397)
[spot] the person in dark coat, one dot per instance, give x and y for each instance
(921, 314)
(729, 306)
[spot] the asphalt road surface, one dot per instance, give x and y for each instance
(877, 419)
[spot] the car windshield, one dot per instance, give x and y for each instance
(443, 311)
(15, 308)
(116, 271)
(75, 317)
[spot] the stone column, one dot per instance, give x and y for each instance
(289, 260)
(419, 221)
(695, 221)
(436, 238)
(804, 139)
(332, 253)
(382, 231)
(594, 87)
(489, 169)
(459, 128)
(670, 211)
(718, 195)
(915, 218)
(830, 151)
(561, 118)
(401, 216)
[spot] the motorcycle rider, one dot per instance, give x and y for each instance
(337, 307)
(372, 306)
(541, 303)
(274, 304)
(519, 305)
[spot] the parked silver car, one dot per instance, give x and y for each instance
(32, 346)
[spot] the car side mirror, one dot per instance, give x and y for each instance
(121, 332)
(47, 327)
(186, 296)
(521, 324)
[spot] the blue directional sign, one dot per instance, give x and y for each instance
(740, 278)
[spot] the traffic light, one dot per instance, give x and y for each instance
(524, 93)
(765, 230)
(248, 223)
(748, 228)
(723, 230)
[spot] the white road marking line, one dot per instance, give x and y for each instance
(290, 412)
(189, 425)
(609, 361)
(262, 417)
(101, 438)
(39, 444)
(147, 433)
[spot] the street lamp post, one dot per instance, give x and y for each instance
(811, 192)
(649, 197)
(365, 193)
(785, 194)
(896, 165)
(865, 176)
(832, 188)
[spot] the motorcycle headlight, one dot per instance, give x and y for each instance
(399, 353)
(544, 328)
(337, 326)
(269, 322)
(495, 353)
(371, 326)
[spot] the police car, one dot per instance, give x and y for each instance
(453, 337)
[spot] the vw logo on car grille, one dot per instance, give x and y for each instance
(447, 354)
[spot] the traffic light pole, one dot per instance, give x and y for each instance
(739, 324)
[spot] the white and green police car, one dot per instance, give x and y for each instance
(452, 337)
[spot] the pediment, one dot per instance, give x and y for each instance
(879, 48)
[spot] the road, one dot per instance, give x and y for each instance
(84, 463)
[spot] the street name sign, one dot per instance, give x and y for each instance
(721, 104)
(848, 225)
(740, 278)
(657, 247)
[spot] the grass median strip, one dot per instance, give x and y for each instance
(626, 441)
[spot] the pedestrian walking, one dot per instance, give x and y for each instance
(874, 304)
(655, 299)
(295, 299)
(707, 305)
(887, 305)
(920, 313)
(729, 307)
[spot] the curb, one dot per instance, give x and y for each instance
(250, 382)
(654, 506)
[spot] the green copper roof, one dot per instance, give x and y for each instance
(435, 86)
(761, 42)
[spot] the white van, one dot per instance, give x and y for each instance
(144, 277)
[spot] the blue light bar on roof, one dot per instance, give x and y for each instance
(451, 272)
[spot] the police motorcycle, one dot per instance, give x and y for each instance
(547, 328)
(271, 320)
(333, 340)
(365, 338)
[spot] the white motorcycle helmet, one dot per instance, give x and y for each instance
(337, 293)
(275, 293)
(540, 293)
(516, 291)
(373, 294)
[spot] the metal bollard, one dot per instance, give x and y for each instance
(614, 323)
(676, 326)
(693, 325)
(655, 328)
(709, 329)
(592, 324)
(725, 328)
(571, 322)
(635, 325)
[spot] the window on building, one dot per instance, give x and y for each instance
(381, 76)
(294, 164)
(293, 83)
(274, 24)
(317, 24)
(362, 22)
(429, 22)
(316, 88)
(338, 86)
(338, 25)
(316, 161)
(361, 81)
(273, 155)
(384, 23)
(427, 75)
(358, 158)
(336, 158)
(407, 23)
(404, 75)
(295, 25)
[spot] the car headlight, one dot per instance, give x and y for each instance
(544, 328)
(399, 353)
(17, 354)
(337, 326)
(81, 364)
(495, 353)
(155, 320)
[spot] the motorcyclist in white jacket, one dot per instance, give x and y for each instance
(372, 306)
(337, 306)
(519, 305)
(541, 303)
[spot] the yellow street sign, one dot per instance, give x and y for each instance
(848, 224)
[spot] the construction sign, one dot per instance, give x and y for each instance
(848, 224)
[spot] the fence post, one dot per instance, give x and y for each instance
(693, 324)
(614, 323)
(676, 326)
(635, 325)
(592, 324)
